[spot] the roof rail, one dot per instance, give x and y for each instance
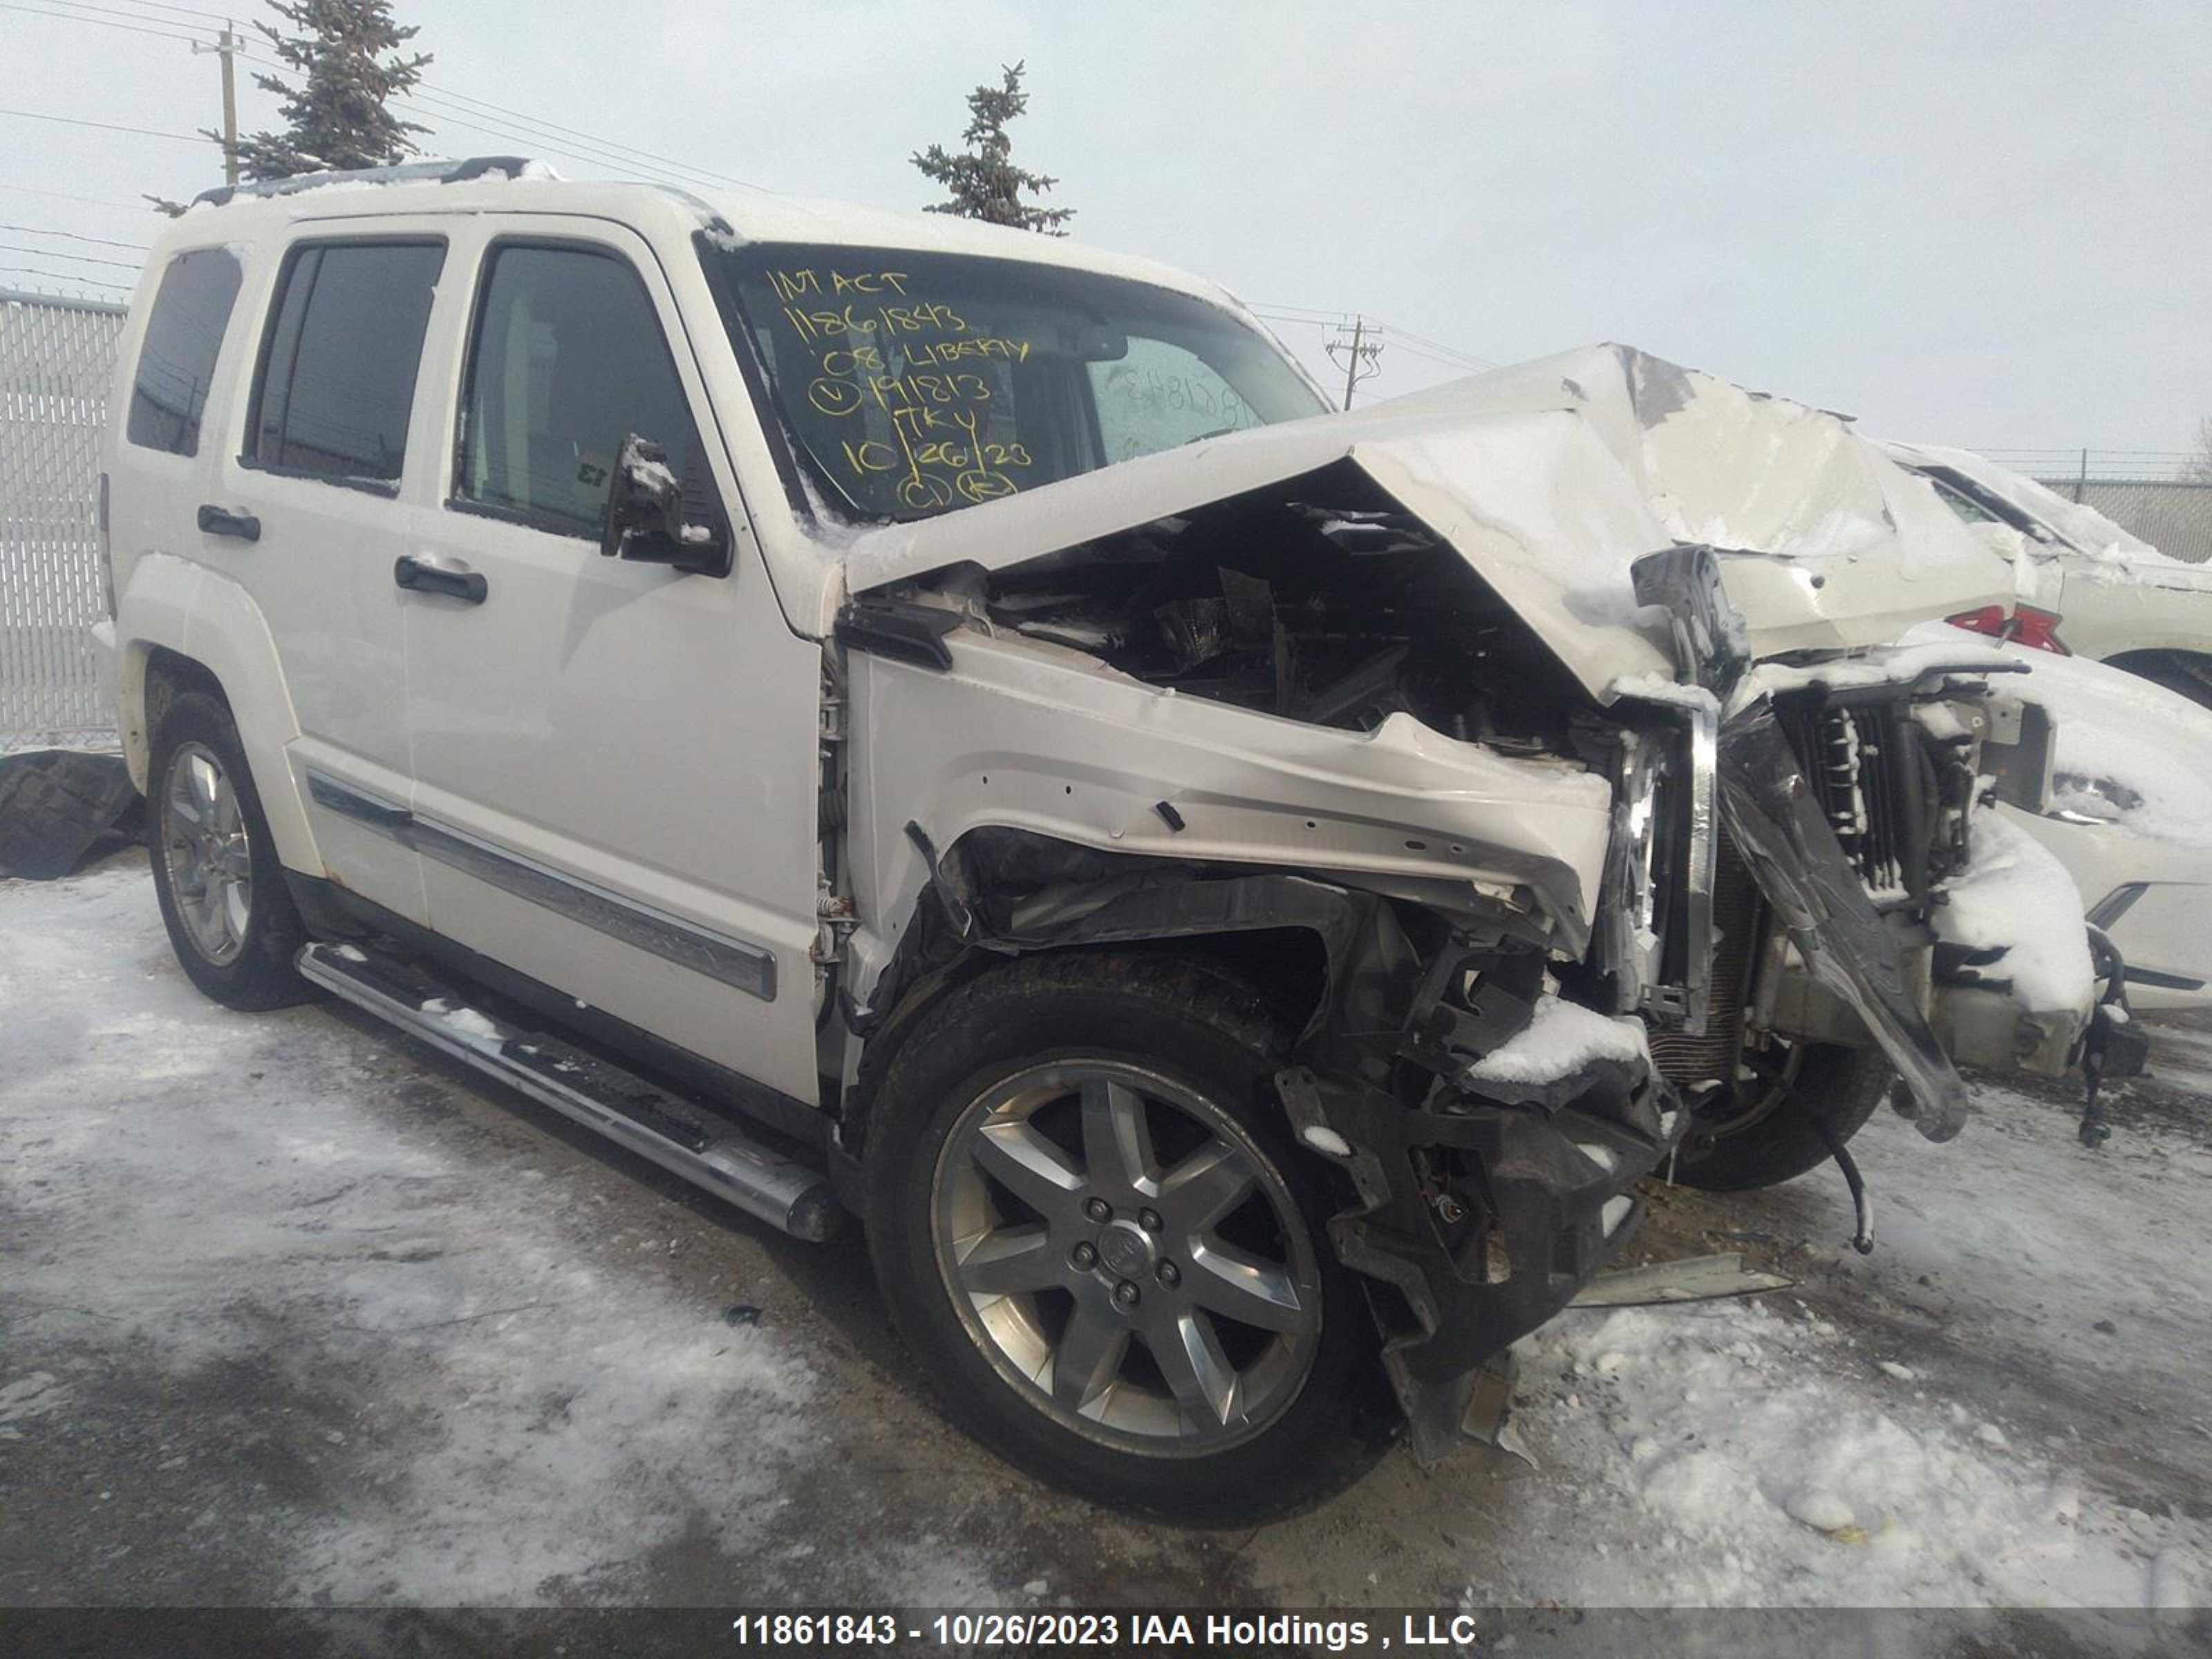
(404, 172)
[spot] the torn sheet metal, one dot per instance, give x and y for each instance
(1032, 737)
(1693, 1279)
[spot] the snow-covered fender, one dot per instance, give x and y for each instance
(210, 619)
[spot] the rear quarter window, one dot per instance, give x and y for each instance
(177, 358)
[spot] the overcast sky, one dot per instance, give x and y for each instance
(1975, 224)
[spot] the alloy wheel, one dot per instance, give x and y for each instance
(1126, 1257)
(206, 853)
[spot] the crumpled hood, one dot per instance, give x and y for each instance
(1552, 478)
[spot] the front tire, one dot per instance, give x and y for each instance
(1092, 1229)
(1763, 1134)
(221, 887)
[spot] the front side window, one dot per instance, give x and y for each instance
(176, 361)
(337, 371)
(1159, 396)
(567, 359)
(913, 383)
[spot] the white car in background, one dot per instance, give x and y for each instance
(2085, 586)
(2129, 814)
(2118, 638)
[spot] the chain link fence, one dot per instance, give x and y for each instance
(2173, 515)
(2155, 494)
(57, 362)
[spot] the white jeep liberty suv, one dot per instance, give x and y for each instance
(890, 716)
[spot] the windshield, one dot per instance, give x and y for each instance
(915, 383)
(1977, 505)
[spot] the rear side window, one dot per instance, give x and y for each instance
(176, 362)
(337, 367)
(568, 359)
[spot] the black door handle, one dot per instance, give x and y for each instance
(421, 576)
(221, 521)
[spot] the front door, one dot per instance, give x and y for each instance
(615, 764)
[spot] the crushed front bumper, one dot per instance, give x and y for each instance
(1482, 1211)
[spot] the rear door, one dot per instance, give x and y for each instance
(308, 509)
(616, 764)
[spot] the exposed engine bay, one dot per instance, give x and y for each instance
(1334, 611)
(1501, 1034)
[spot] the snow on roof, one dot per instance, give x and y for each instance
(2088, 530)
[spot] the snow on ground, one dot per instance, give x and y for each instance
(290, 1311)
(2003, 1406)
(1762, 1461)
(187, 1186)
(1945, 1453)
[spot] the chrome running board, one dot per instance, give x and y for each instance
(706, 1150)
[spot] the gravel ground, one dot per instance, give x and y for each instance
(294, 1311)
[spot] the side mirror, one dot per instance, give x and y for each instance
(644, 519)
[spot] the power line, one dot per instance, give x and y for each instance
(105, 126)
(1474, 365)
(80, 17)
(132, 19)
(441, 117)
(216, 17)
(59, 276)
(443, 107)
(74, 258)
(1418, 345)
(89, 201)
(461, 98)
(1439, 348)
(104, 241)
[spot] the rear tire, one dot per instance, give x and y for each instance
(1063, 1110)
(1728, 1154)
(230, 917)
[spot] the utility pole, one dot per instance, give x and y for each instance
(1360, 353)
(228, 45)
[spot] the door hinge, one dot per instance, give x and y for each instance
(836, 916)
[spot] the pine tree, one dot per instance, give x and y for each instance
(983, 181)
(347, 59)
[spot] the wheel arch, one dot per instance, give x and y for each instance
(2186, 672)
(181, 626)
(1305, 947)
